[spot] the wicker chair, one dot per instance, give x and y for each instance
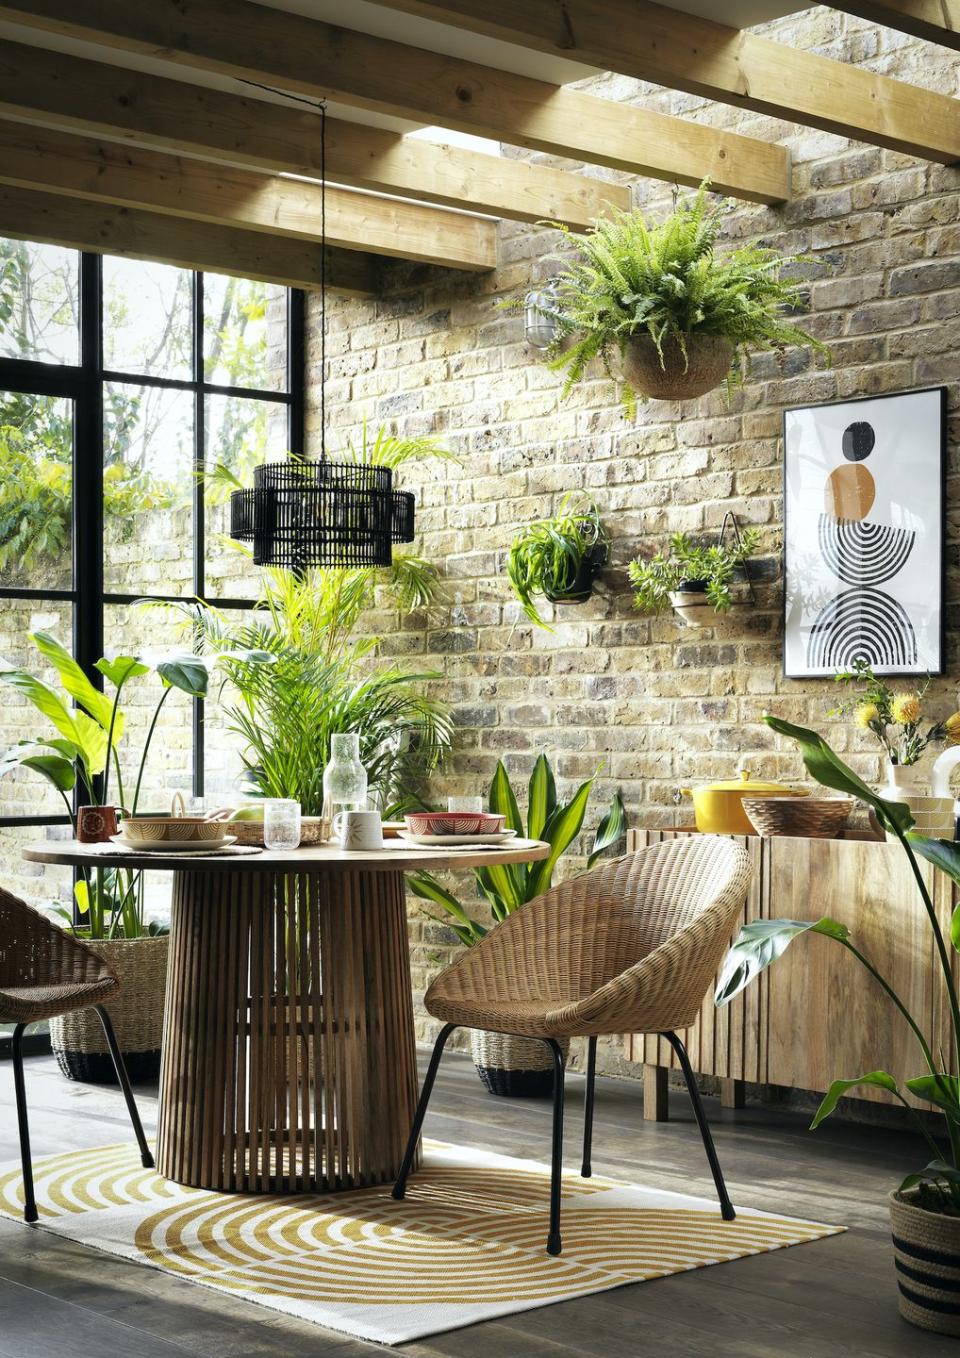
(45, 973)
(628, 948)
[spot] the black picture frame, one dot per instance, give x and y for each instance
(792, 670)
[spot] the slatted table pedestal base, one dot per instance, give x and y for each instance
(289, 1062)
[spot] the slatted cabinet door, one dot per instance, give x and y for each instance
(828, 1019)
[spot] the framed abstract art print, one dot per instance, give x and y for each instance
(863, 535)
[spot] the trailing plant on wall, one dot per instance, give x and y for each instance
(557, 558)
(667, 283)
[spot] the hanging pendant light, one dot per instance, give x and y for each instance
(301, 513)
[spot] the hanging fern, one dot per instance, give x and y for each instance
(629, 278)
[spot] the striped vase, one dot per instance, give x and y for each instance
(926, 1247)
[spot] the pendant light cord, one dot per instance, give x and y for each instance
(320, 105)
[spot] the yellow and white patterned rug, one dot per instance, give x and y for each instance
(467, 1244)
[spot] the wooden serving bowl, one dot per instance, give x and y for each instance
(800, 817)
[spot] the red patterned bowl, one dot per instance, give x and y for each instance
(453, 823)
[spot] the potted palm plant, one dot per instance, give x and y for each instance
(83, 752)
(925, 1209)
(559, 558)
(695, 580)
(521, 1067)
(659, 302)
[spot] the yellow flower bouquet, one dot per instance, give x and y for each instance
(895, 717)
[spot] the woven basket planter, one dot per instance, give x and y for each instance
(707, 363)
(77, 1039)
(926, 1248)
(514, 1067)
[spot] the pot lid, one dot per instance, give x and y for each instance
(749, 786)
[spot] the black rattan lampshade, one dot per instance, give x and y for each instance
(302, 514)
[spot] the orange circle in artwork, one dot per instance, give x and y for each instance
(850, 492)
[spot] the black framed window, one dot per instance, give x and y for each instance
(122, 383)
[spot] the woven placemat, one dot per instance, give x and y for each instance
(230, 851)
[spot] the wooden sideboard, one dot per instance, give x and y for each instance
(816, 1015)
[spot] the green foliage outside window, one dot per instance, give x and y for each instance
(36, 434)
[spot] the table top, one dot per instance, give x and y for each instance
(307, 859)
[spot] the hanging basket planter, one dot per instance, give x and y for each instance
(678, 377)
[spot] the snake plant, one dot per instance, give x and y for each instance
(508, 886)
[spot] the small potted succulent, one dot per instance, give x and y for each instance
(695, 580)
(559, 558)
(667, 315)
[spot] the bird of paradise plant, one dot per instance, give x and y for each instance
(760, 943)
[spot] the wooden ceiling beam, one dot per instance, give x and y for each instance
(291, 52)
(52, 219)
(171, 115)
(702, 57)
(41, 158)
(935, 20)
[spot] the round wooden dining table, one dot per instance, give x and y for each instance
(289, 1060)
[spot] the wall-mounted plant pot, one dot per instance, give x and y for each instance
(708, 360)
(581, 586)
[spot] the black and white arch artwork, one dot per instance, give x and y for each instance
(863, 535)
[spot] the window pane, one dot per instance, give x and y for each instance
(240, 434)
(148, 488)
(244, 333)
(39, 302)
(147, 318)
(24, 792)
(222, 765)
(43, 885)
(36, 476)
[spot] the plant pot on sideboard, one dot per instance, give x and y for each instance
(926, 1248)
(78, 1040)
(514, 1067)
(678, 378)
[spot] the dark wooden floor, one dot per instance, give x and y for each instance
(832, 1297)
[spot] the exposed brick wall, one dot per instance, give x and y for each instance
(654, 705)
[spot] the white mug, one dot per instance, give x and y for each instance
(361, 830)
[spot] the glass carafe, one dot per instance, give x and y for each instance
(344, 779)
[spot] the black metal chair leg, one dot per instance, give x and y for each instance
(29, 1202)
(400, 1187)
(726, 1206)
(586, 1169)
(556, 1160)
(146, 1158)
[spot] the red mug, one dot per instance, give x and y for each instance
(98, 824)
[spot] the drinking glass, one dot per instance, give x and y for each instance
(468, 806)
(281, 824)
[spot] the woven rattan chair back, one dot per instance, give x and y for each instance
(37, 955)
(628, 947)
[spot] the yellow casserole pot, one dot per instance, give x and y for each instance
(718, 807)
